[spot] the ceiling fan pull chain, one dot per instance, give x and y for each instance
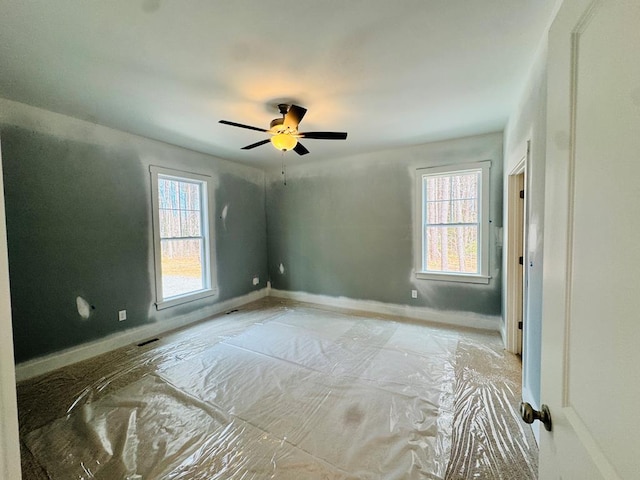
(284, 170)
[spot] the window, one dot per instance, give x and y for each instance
(181, 236)
(453, 222)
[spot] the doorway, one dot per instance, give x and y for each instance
(516, 281)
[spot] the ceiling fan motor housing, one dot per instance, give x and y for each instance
(276, 124)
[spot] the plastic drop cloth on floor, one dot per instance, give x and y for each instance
(287, 391)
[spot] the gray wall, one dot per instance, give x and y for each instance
(78, 209)
(346, 227)
(528, 122)
(79, 213)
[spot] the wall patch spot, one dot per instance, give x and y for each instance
(150, 6)
(223, 215)
(84, 309)
(281, 268)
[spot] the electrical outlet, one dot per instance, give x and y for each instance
(414, 293)
(256, 280)
(122, 315)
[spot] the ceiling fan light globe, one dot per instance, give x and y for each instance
(284, 142)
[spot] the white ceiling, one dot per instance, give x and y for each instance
(390, 73)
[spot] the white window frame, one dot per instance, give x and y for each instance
(483, 224)
(208, 265)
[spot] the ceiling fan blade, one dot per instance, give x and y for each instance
(294, 116)
(324, 135)
(249, 127)
(300, 149)
(257, 144)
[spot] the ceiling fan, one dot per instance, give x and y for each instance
(284, 131)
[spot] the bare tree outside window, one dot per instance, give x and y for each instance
(451, 222)
(182, 236)
(181, 240)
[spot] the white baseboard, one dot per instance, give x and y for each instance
(459, 319)
(48, 363)
(503, 335)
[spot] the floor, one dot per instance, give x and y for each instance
(286, 390)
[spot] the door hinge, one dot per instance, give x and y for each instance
(521, 193)
(521, 260)
(519, 325)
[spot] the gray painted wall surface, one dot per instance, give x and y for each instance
(529, 122)
(78, 212)
(346, 227)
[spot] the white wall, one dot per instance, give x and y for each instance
(9, 446)
(528, 122)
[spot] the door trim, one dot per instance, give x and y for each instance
(516, 233)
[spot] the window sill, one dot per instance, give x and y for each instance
(453, 277)
(172, 302)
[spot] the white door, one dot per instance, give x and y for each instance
(591, 311)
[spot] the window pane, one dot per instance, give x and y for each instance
(163, 186)
(190, 222)
(454, 219)
(169, 223)
(451, 249)
(456, 187)
(181, 267)
(168, 193)
(438, 188)
(453, 211)
(180, 208)
(463, 211)
(451, 198)
(464, 185)
(437, 212)
(181, 228)
(192, 196)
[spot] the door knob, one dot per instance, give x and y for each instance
(529, 415)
